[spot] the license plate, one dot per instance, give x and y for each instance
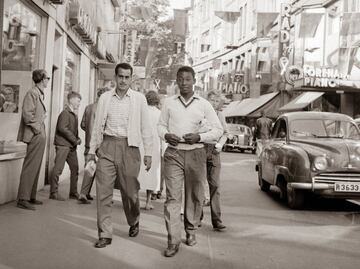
(347, 187)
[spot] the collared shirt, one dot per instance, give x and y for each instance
(195, 116)
(139, 130)
(118, 117)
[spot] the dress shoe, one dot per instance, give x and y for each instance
(25, 205)
(55, 196)
(219, 227)
(190, 240)
(83, 200)
(103, 242)
(74, 196)
(35, 202)
(134, 230)
(89, 197)
(171, 250)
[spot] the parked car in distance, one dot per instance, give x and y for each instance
(312, 152)
(240, 138)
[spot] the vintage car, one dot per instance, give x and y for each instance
(312, 152)
(240, 138)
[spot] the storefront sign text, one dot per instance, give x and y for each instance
(322, 77)
(284, 38)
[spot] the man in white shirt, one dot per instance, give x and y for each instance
(121, 126)
(181, 124)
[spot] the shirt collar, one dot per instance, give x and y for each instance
(41, 92)
(189, 102)
(127, 94)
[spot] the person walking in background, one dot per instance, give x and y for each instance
(87, 123)
(150, 180)
(122, 124)
(185, 157)
(213, 165)
(263, 131)
(32, 132)
(66, 141)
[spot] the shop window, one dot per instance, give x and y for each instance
(21, 32)
(71, 72)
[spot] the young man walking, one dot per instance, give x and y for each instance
(66, 141)
(121, 126)
(180, 123)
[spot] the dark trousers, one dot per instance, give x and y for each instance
(213, 166)
(186, 167)
(69, 155)
(117, 161)
(88, 180)
(31, 167)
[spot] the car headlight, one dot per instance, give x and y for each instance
(320, 163)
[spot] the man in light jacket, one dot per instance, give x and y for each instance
(121, 125)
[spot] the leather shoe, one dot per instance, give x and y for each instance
(219, 227)
(89, 197)
(83, 200)
(134, 230)
(190, 240)
(35, 202)
(55, 196)
(25, 205)
(74, 196)
(171, 250)
(103, 242)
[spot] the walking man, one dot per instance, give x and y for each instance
(87, 124)
(181, 119)
(263, 131)
(66, 141)
(213, 165)
(121, 125)
(32, 132)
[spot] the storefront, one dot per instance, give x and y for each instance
(326, 57)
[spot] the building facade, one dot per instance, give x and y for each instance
(69, 39)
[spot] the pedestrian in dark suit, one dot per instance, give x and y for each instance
(87, 124)
(66, 141)
(32, 132)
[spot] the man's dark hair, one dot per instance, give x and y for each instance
(38, 75)
(123, 66)
(152, 98)
(72, 95)
(186, 68)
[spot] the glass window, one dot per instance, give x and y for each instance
(21, 32)
(71, 72)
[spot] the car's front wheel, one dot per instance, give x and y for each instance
(295, 197)
(264, 185)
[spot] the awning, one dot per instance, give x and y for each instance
(251, 106)
(302, 101)
(107, 69)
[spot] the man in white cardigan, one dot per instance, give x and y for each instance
(121, 126)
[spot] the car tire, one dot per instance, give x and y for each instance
(295, 197)
(264, 185)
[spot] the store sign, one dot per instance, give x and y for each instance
(322, 77)
(100, 48)
(130, 46)
(284, 38)
(81, 22)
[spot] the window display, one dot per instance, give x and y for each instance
(71, 72)
(21, 32)
(9, 98)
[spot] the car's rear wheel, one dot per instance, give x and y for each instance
(264, 185)
(295, 197)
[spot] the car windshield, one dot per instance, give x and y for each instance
(324, 128)
(238, 129)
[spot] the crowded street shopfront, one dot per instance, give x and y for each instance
(325, 71)
(37, 34)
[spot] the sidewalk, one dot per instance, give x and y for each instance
(61, 235)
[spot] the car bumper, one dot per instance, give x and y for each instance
(324, 189)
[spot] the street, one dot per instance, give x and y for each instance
(262, 232)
